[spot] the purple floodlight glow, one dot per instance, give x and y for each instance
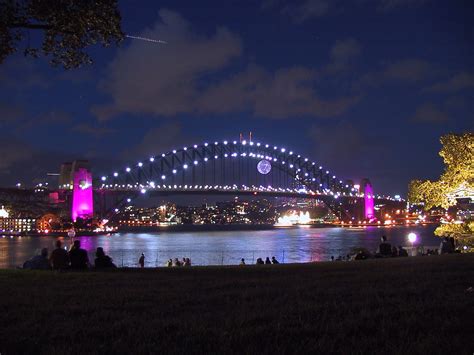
(368, 201)
(82, 201)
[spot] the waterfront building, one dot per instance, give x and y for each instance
(17, 225)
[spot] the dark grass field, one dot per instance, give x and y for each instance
(398, 306)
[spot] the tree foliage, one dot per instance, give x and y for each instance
(67, 27)
(457, 181)
(463, 232)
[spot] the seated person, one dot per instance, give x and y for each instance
(38, 262)
(59, 258)
(274, 260)
(103, 261)
(401, 251)
(78, 257)
(385, 248)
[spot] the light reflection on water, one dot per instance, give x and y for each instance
(222, 247)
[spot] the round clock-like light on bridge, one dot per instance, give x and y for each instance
(264, 167)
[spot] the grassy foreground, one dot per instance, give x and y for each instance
(407, 305)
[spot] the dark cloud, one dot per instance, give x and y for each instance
(285, 93)
(13, 152)
(343, 53)
(388, 5)
(429, 112)
(53, 117)
(148, 79)
(349, 151)
(303, 10)
(10, 113)
(158, 140)
(21, 72)
(164, 79)
(93, 130)
(14, 115)
(306, 9)
(408, 70)
(458, 103)
(457, 82)
(411, 71)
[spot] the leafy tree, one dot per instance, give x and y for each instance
(457, 181)
(67, 28)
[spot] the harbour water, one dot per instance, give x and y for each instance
(292, 245)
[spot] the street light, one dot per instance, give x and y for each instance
(412, 239)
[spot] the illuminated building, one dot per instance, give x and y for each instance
(15, 225)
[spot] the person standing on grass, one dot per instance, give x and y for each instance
(78, 257)
(59, 258)
(141, 261)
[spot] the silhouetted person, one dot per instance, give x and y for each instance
(78, 257)
(401, 251)
(169, 263)
(141, 261)
(385, 248)
(103, 261)
(59, 258)
(260, 261)
(267, 261)
(394, 251)
(453, 243)
(446, 247)
(176, 262)
(38, 262)
(242, 261)
(332, 257)
(360, 255)
(274, 260)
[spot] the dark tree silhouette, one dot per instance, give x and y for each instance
(67, 28)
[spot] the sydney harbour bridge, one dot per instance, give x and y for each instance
(213, 168)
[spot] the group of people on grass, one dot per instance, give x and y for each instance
(74, 259)
(386, 250)
(77, 259)
(261, 262)
(177, 263)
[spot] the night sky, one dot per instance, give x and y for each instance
(363, 87)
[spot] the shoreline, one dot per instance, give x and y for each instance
(204, 228)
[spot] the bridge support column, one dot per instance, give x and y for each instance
(82, 198)
(368, 191)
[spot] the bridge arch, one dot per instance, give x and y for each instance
(227, 165)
